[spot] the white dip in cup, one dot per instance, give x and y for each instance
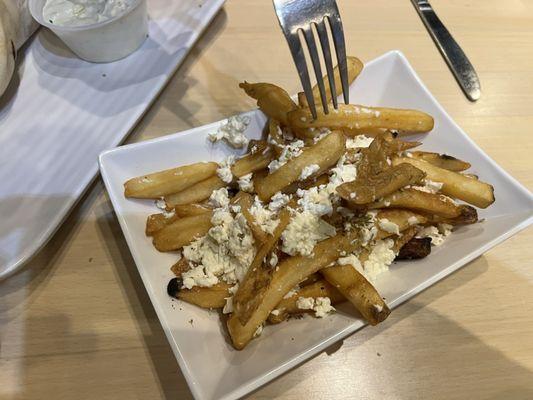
(104, 41)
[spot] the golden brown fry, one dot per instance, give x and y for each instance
(180, 267)
(357, 120)
(156, 222)
(441, 160)
(205, 297)
(271, 99)
(467, 215)
(158, 184)
(274, 131)
(252, 289)
(188, 210)
(324, 153)
(319, 288)
(202, 190)
(419, 201)
(477, 193)
(302, 101)
(403, 218)
(182, 232)
(196, 193)
(307, 184)
(245, 200)
(405, 237)
(369, 188)
(355, 66)
(354, 286)
(289, 273)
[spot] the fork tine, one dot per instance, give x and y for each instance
(335, 24)
(313, 53)
(298, 56)
(326, 50)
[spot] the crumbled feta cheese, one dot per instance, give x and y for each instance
(273, 260)
(258, 331)
(315, 200)
(429, 186)
(228, 307)
(303, 232)
(226, 252)
(308, 171)
(169, 214)
(305, 303)
(264, 217)
(278, 201)
(289, 152)
(412, 220)
(437, 234)
(161, 204)
(341, 173)
(321, 305)
(232, 131)
(275, 312)
(379, 259)
(245, 183)
(224, 169)
(389, 226)
(352, 260)
(358, 142)
(219, 198)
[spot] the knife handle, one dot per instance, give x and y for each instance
(452, 53)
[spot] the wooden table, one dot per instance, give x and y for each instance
(77, 322)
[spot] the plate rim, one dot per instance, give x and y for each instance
(261, 380)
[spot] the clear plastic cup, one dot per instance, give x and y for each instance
(104, 41)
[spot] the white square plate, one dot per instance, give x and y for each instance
(213, 369)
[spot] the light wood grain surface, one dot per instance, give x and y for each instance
(77, 322)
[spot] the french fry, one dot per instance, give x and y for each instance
(355, 66)
(202, 190)
(477, 193)
(441, 160)
(271, 99)
(403, 218)
(467, 215)
(356, 120)
(245, 201)
(302, 101)
(319, 288)
(419, 201)
(274, 131)
(307, 184)
(415, 249)
(354, 286)
(324, 153)
(156, 222)
(369, 188)
(182, 232)
(180, 267)
(252, 289)
(290, 272)
(159, 184)
(404, 238)
(205, 297)
(188, 210)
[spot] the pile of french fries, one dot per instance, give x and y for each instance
(387, 203)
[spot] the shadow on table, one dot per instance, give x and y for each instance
(164, 363)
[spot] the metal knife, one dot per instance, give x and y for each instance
(454, 56)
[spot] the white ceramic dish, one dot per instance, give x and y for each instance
(61, 112)
(213, 369)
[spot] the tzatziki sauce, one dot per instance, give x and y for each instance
(83, 12)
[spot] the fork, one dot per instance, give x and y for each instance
(300, 16)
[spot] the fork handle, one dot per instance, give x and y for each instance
(457, 61)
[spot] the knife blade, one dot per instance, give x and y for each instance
(459, 64)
